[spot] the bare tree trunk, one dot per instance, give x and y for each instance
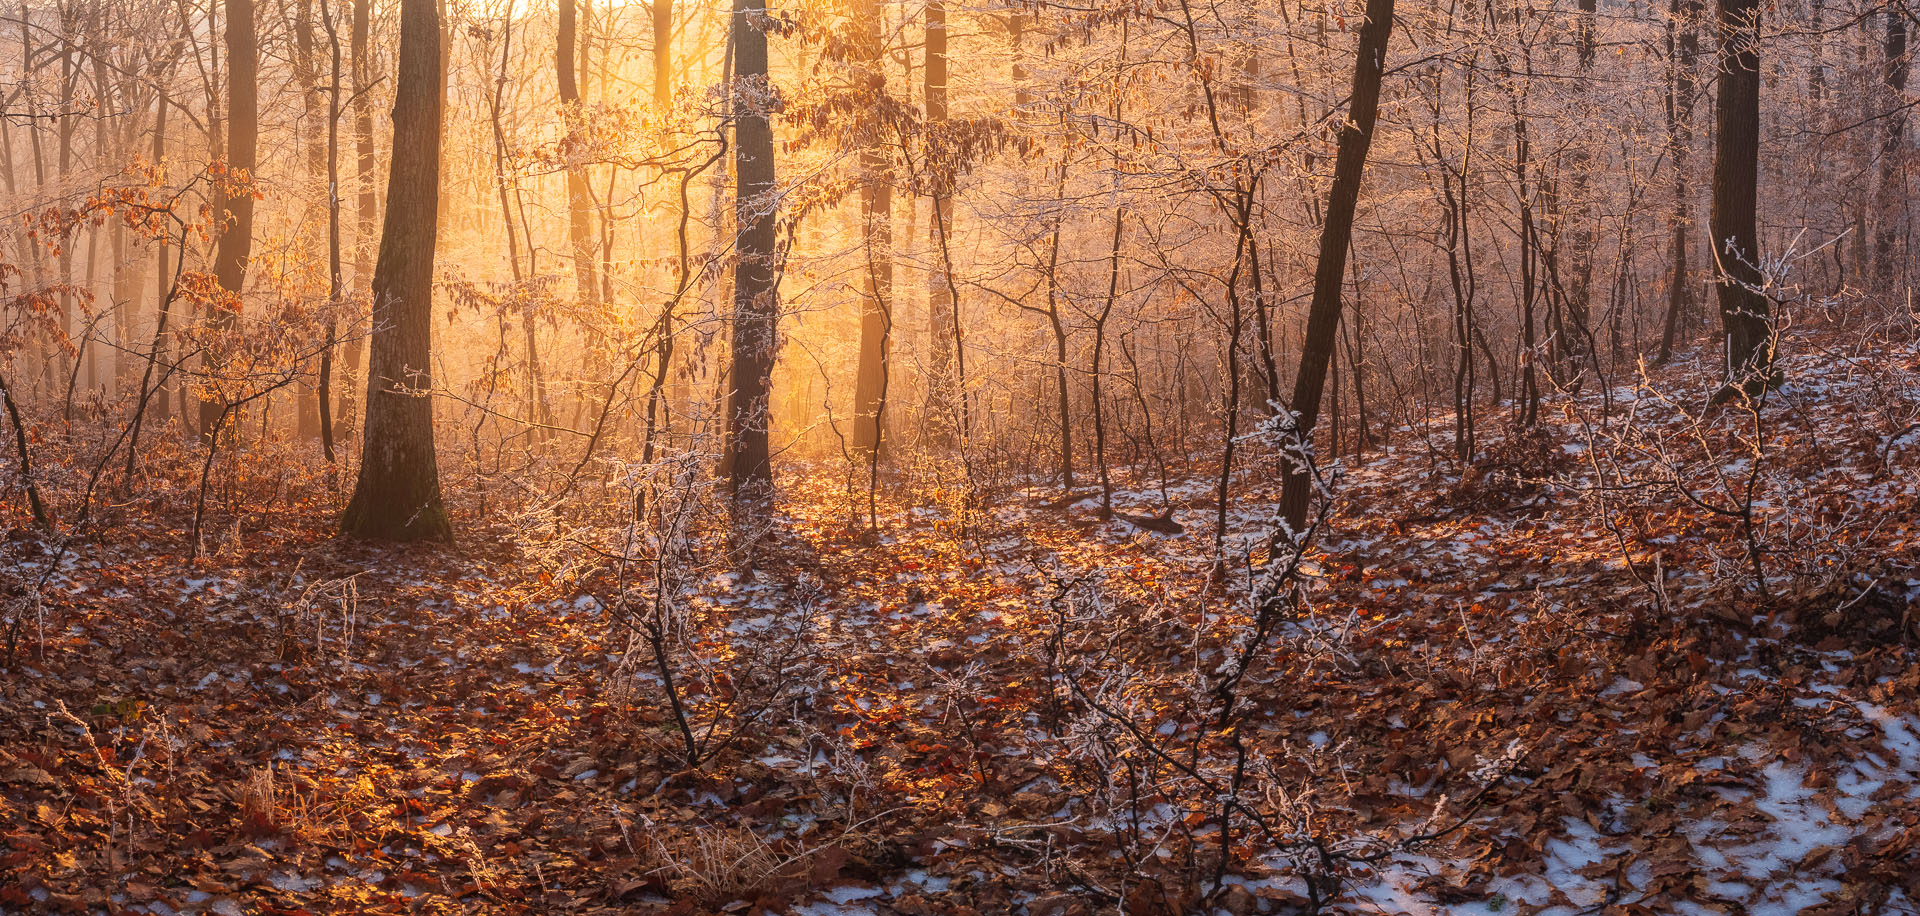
(1528, 404)
(162, 277)
(677, 219)
(64, 127)
(1580, 213)
(1016, 33)
(25, 457)
(662, 54)
(1892, 208)
(1457, 241)
(306, 71)
(536, 399)
(51, 360)
(398, 493)
(1230, 400)
(1094, 364)
(236, 241)
(1059, 328)
(946, 364)
(1323, 315)
(1351, 333)
(441, 211)
(1683, 46)
(366, 205)
(1745, 311)
(876, 299)
(756, 307)
(336, 286)
(107, 151)
(579, 198)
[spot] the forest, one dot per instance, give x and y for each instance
(959, 457)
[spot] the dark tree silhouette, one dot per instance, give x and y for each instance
(1336, 233)
(1745, 313)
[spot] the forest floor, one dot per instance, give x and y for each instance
(1556, 662)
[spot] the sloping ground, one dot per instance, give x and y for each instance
(1560, 665)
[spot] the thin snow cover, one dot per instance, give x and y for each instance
(1561, 887)
(919, 878)
(1623, 686)
(1901, 733)
(842, 901)
(1770, 859)
(1566, 856)
(290, 881)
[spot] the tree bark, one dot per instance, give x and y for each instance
(876, 299)
(579, 198)
(675, 220)
(336, 286)
(398, 493)
(1580, 212)
(243, 134)
(1745, 312)
(755, 297)
(946, 365)
(1683, 38)
(1323, 314)
(1892, 208)
(25, 457)
(162, 277)
(366, 208)
(662, 54)
(306, 71)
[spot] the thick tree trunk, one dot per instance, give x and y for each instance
(398, 494)
(1745, 312)
(1323, 315)
(662, 54)
(441, 212)
(243, 132)
(755, 296)
(876, 298)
